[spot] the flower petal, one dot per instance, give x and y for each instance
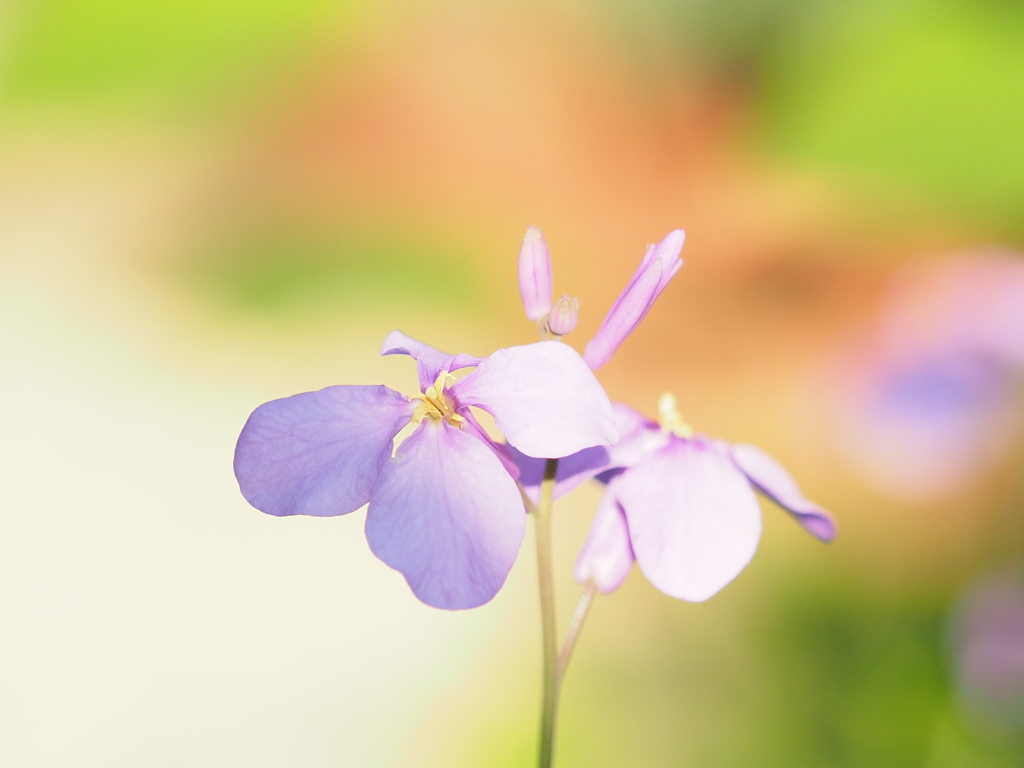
(504, 451)
(429, 361)
(448, 516)
(318, 453)
(772, 479)
(693, 519)
(659, 264)
(572, 470)
(607, 556)
(636, 435)
(543, 398)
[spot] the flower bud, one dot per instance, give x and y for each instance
(564, 315)
(657, 267)
(535, 275)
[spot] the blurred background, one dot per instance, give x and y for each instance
(206, 205)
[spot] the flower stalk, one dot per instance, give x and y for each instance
(547, 613)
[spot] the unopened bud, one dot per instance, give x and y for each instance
(535, 275)
(564, 315)
(658, 266)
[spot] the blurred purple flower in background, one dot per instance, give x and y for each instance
(988, 646)
(931, 401)
(444, 510)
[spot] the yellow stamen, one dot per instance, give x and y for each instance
(670, 419)
(436, 404)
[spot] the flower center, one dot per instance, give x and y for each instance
(437, 404)
(669, 418)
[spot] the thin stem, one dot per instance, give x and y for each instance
(575, 627)
(547, 614)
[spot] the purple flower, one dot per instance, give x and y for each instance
(932, 400)
(681, 505)
(659, 265)
(444, 510)
(919, 428)
(535, 275)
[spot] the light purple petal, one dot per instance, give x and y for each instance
(636, 435)
(504, 451)
(606, 557)
(659, 265)
(543, 398)
(772, 479)
(693, 519)
(448, 516)
(318, 453)
(572, 470)
(535, 275)
(429, 361)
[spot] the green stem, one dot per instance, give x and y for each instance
(547, 614)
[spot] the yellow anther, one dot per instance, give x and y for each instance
(424, 410)
(670, 419)
(436, 404)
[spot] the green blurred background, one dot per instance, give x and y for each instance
(205, 205)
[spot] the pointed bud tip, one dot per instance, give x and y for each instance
(668, 250)
(564, 315)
